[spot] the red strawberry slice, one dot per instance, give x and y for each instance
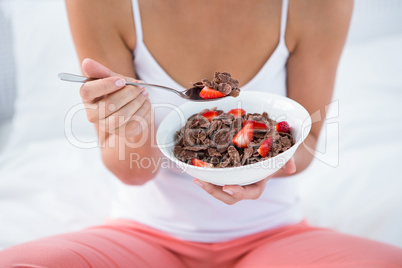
(257, 125)
(283, 127)
(210, 114)
(237, 112)
(244, 136)
(199, 163)
(265, 147)
(210, 93)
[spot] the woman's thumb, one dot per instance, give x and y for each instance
(94, 69)
(290, 166)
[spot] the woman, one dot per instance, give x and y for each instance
(163, 219)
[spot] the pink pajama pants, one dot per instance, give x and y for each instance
(127, 244)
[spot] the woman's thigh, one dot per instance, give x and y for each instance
(95, 247)
(314, 247)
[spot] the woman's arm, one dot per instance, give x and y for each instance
(317, 41)
(315, 36)
(100, 32)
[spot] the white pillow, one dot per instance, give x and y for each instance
(375, 18)
(43, 48)
(7, 70)
(47, 184)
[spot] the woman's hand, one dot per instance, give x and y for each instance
(231, 194)
(111, 105)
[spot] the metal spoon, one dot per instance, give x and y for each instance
(192, 94)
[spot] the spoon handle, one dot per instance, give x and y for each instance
(75, 78)
(83, 79)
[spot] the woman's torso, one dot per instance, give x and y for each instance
(171, 202)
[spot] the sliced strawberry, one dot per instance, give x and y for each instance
(210, 114)
(210, 93)
(283, 127)
(237, 112)
(257, 125)
(199, 163)
(244, 136)
(265, 147)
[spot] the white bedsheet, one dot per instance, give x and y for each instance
(50, 187)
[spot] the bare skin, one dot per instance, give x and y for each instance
(104, 31)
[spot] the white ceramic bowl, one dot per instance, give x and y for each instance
(278, 108)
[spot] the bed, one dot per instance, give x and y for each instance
(52, 179)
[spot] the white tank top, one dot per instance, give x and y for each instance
(171, 202)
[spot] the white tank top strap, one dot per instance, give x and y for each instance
(137, 21)
(284, 18)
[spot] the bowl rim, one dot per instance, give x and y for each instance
(306, 122)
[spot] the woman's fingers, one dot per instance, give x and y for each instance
(216, 191)
(123, 115)
(138, 122)
(290, 166)
(112, 103)
(115, 107)
(91, 91)
(251, 191)
(231, 194)
(96, 70)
